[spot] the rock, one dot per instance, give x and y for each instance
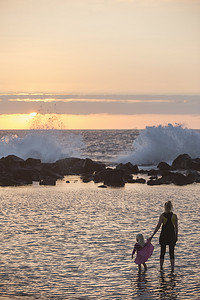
(6, 181)
(11, 161)
(87, 177)
(127, 177)
(131, 181)
(154, 182)
(183, 162)
(140, 180)
(68, 166)
(32, 162)
(47, 171)
(163, 166)
(23, 175)
(90, 166)
(180, 179)
(153, 172)
(153, 177)
(48, 181)
(128, 168)
(195, 164)
(100, 176)
(103, 186)
(193, 174)
(114, 177)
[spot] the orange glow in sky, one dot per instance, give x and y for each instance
(101, 121)
(89, 47)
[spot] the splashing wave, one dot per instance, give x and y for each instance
(48, 147)
(163, 143)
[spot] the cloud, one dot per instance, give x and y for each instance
(99, 104)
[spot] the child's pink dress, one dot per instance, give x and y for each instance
(143, 253)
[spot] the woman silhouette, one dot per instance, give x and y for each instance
(169, 233)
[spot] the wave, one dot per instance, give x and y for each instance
(163, 143)
(48, 146)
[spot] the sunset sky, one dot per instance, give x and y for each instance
(99, 63)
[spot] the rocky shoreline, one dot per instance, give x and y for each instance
(15, 171)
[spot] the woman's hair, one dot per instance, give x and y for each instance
(168, 206)
(140, 239)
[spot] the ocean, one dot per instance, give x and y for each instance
(74, 240)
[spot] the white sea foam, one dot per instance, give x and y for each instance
(163, 143)
(48, 146)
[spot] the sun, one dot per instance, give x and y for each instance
(33, 114)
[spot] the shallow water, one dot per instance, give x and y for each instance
(74, 241)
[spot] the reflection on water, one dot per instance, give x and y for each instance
(140, 285)
(75, 242)
(167, 286)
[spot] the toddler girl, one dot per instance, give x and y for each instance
(144, 251)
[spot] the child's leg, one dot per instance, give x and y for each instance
(145, 266)
(139, 268)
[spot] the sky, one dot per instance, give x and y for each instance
(99, 64)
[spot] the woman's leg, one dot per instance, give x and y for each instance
(162, 255)
(171, 254)
(139, 268)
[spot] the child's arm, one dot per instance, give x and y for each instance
(133, 252)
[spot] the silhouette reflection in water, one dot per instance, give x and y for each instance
(154, 286)
(167, 286)
(141, 286)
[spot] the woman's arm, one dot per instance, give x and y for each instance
(157, 226)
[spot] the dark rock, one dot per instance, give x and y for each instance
(131, 181)
(193, 174)
(114, 177)
(23, 175)
(180, 179)
(103, 186)
(128, 168)
(153, 172)
(140, 180)
(153, 177)
(163, 166)
(11, 161)
(183, 161)
(32, 162)
(69, 166)
(127, 177)
(90, 166)
(154, 182)
(195, 164)
(6, 181)
(87, 177)
(100, 176)
(47, 171)
(48, 181)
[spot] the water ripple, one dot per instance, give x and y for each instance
(75, 242)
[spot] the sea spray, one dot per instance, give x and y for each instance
(47, 145)
(163, 143)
